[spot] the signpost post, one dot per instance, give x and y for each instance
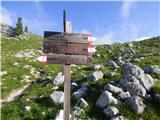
(67, 48)
(67, 78)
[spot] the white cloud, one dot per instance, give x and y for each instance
(141, 38)
(105, 39)
(6, 16)
(126, 6)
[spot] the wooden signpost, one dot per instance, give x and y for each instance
(67, 48)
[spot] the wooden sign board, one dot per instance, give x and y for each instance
(65, 37)
(66, 48)
(68, 59)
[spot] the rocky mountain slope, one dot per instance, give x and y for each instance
(122, 83)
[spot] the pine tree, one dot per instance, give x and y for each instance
(19, 26)
(26, 29)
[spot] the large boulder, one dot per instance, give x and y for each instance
(95, 76)
(135, 88)
(57, 97)
(111, 111)
(132, 73)
(152, 69)
(59, 79)
(136, 104)
(106, 98)
(113, 89)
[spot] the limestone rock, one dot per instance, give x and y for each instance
(59, 115)
(136, 104)
(113, 89)
(59, 79)
(106, 98)
(112, 64)
(27, 108)
(96, 66)
(124, 95)
(109, 74)
(57, 97)
(95, 76)
(119, 118)
(111, 111)
(135, 88)
(152, 69)
(80, 92)
(82, 103)
(132, 73)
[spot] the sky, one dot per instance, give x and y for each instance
(108, 21)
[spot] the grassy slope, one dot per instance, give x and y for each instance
(15, 110)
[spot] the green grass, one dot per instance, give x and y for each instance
(43, 85)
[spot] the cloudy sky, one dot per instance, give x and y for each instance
(108, 21)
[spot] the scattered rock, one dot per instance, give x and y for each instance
(59, 79)
(134, 60)
(111, 111)
(2, 73)
(25, 53)
(80, 92)
(124, 95)
(130, 45)
(82, 103)
(26, 78)
(109, 74)
(16, 63)
(95, 76)
(106, 98)
(73, 85)
(136, 104)
(113, 89)
(57, 97)
(16, 93)
(96, 66)
(120, 62)
(152, 69)
(55, 87)
(59, 115)
(119, 118)
(76, 113)
(27, 108)
(112, 64)
(43, 113)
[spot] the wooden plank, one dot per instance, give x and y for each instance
(63, 48)
(65, 37)
(67, 59)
